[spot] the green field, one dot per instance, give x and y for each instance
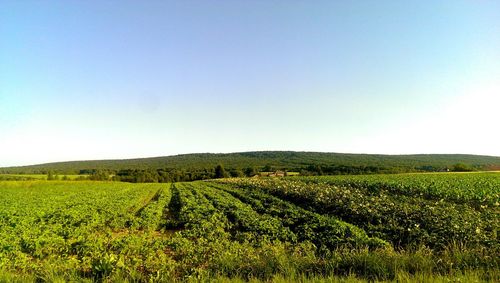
(411, 227)
(33, 177)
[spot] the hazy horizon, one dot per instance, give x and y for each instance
(95, 80)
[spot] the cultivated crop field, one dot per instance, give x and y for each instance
(34, 177)
(410, 227)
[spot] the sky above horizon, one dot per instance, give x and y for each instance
(83, 80)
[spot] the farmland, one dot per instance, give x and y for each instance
(33, 177)
(374, 227)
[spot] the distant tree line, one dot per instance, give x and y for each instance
(175, 175)
(348, 170)
(168, 175)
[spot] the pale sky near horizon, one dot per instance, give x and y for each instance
(126, 79)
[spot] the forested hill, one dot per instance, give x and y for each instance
(273, 160)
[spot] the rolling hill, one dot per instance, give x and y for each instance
(289, 160)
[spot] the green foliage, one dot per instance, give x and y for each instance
(236, 173)
(461, 167)
(220, 172)
(50, 176)
(250, 171)
(407, 210)
(377, 227)
(99, 175)
(308, 162)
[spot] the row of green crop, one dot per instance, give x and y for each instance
(200, 230)
(245, 223)
(478, 190)
(151, 215)
(231, 218)
(66, 225)
(298, 223)
(221, 233)
(401, 219)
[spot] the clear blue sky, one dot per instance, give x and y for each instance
(121, 79)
